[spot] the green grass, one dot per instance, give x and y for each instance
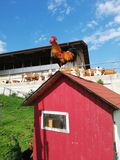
(15, 120)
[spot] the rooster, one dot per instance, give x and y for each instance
(56, 51)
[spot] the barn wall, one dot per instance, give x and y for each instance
(117, 131)
(91, 126)
(80, 59)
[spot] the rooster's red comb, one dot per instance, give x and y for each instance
(52, 39)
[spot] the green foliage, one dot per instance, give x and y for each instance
(14, 94)
(16, 121)
(29, 93)
(100, 81)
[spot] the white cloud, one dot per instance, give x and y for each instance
(60, 18)
(99, 38)
(117, 19)
(42, 37)
(109, 7)
(92, 24)
(2, 46)
(108, 28)
(60, 8)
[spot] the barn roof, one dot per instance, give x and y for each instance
(105, 94)
(44, 48)
(40, 55)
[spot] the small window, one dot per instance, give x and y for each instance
(55, 121)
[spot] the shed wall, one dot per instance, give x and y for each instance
(91, 126)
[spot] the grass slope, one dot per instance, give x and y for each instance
(15, 120)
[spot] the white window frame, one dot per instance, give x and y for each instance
(67, 130)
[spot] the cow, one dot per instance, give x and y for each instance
(30, 76)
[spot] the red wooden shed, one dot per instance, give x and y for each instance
(73, 119)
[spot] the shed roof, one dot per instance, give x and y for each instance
(105, 94)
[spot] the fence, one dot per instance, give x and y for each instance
(29, 69)
(9, 91)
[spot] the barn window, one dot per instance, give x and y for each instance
(55, 121)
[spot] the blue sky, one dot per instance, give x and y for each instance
(30, 23)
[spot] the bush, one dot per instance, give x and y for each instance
(14, 94)
(100, 81)
(29, 93)
(14, 151)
